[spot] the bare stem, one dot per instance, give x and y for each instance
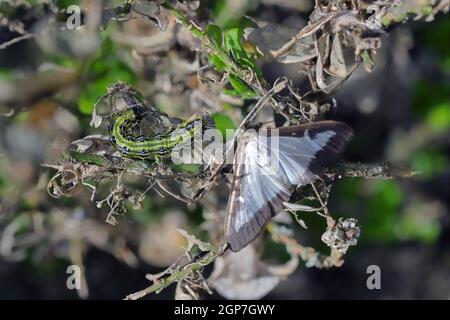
(368, 171)
(15, 40)
(178, 275)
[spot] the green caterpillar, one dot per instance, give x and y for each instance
(125, 132)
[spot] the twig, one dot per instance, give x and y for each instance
(133, 166)
(306, 31)
(181, 274)
(369, 171)
(15, 40)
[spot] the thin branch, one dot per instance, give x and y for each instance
(306, 31)
(179, 275)
(134, 166)
(368, 171)
(16, 40)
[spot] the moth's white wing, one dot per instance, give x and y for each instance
(257, 194)
(298, 153)
(266, 170)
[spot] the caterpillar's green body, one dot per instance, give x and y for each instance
(123, 134)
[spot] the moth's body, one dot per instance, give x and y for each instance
(267, 170)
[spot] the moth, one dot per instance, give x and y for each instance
(267, 169)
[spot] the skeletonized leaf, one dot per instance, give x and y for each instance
(271, 37)
(93, 144)
(337, 61)
(96, 120)
(299, 207)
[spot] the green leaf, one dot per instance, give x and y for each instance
(223, 122)
(233, 43)
(244, 95)
(237, 84)
(186, 168)
(217, 62)
(239, 88)
(230, 92)
(233, 39)
(215, 33)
